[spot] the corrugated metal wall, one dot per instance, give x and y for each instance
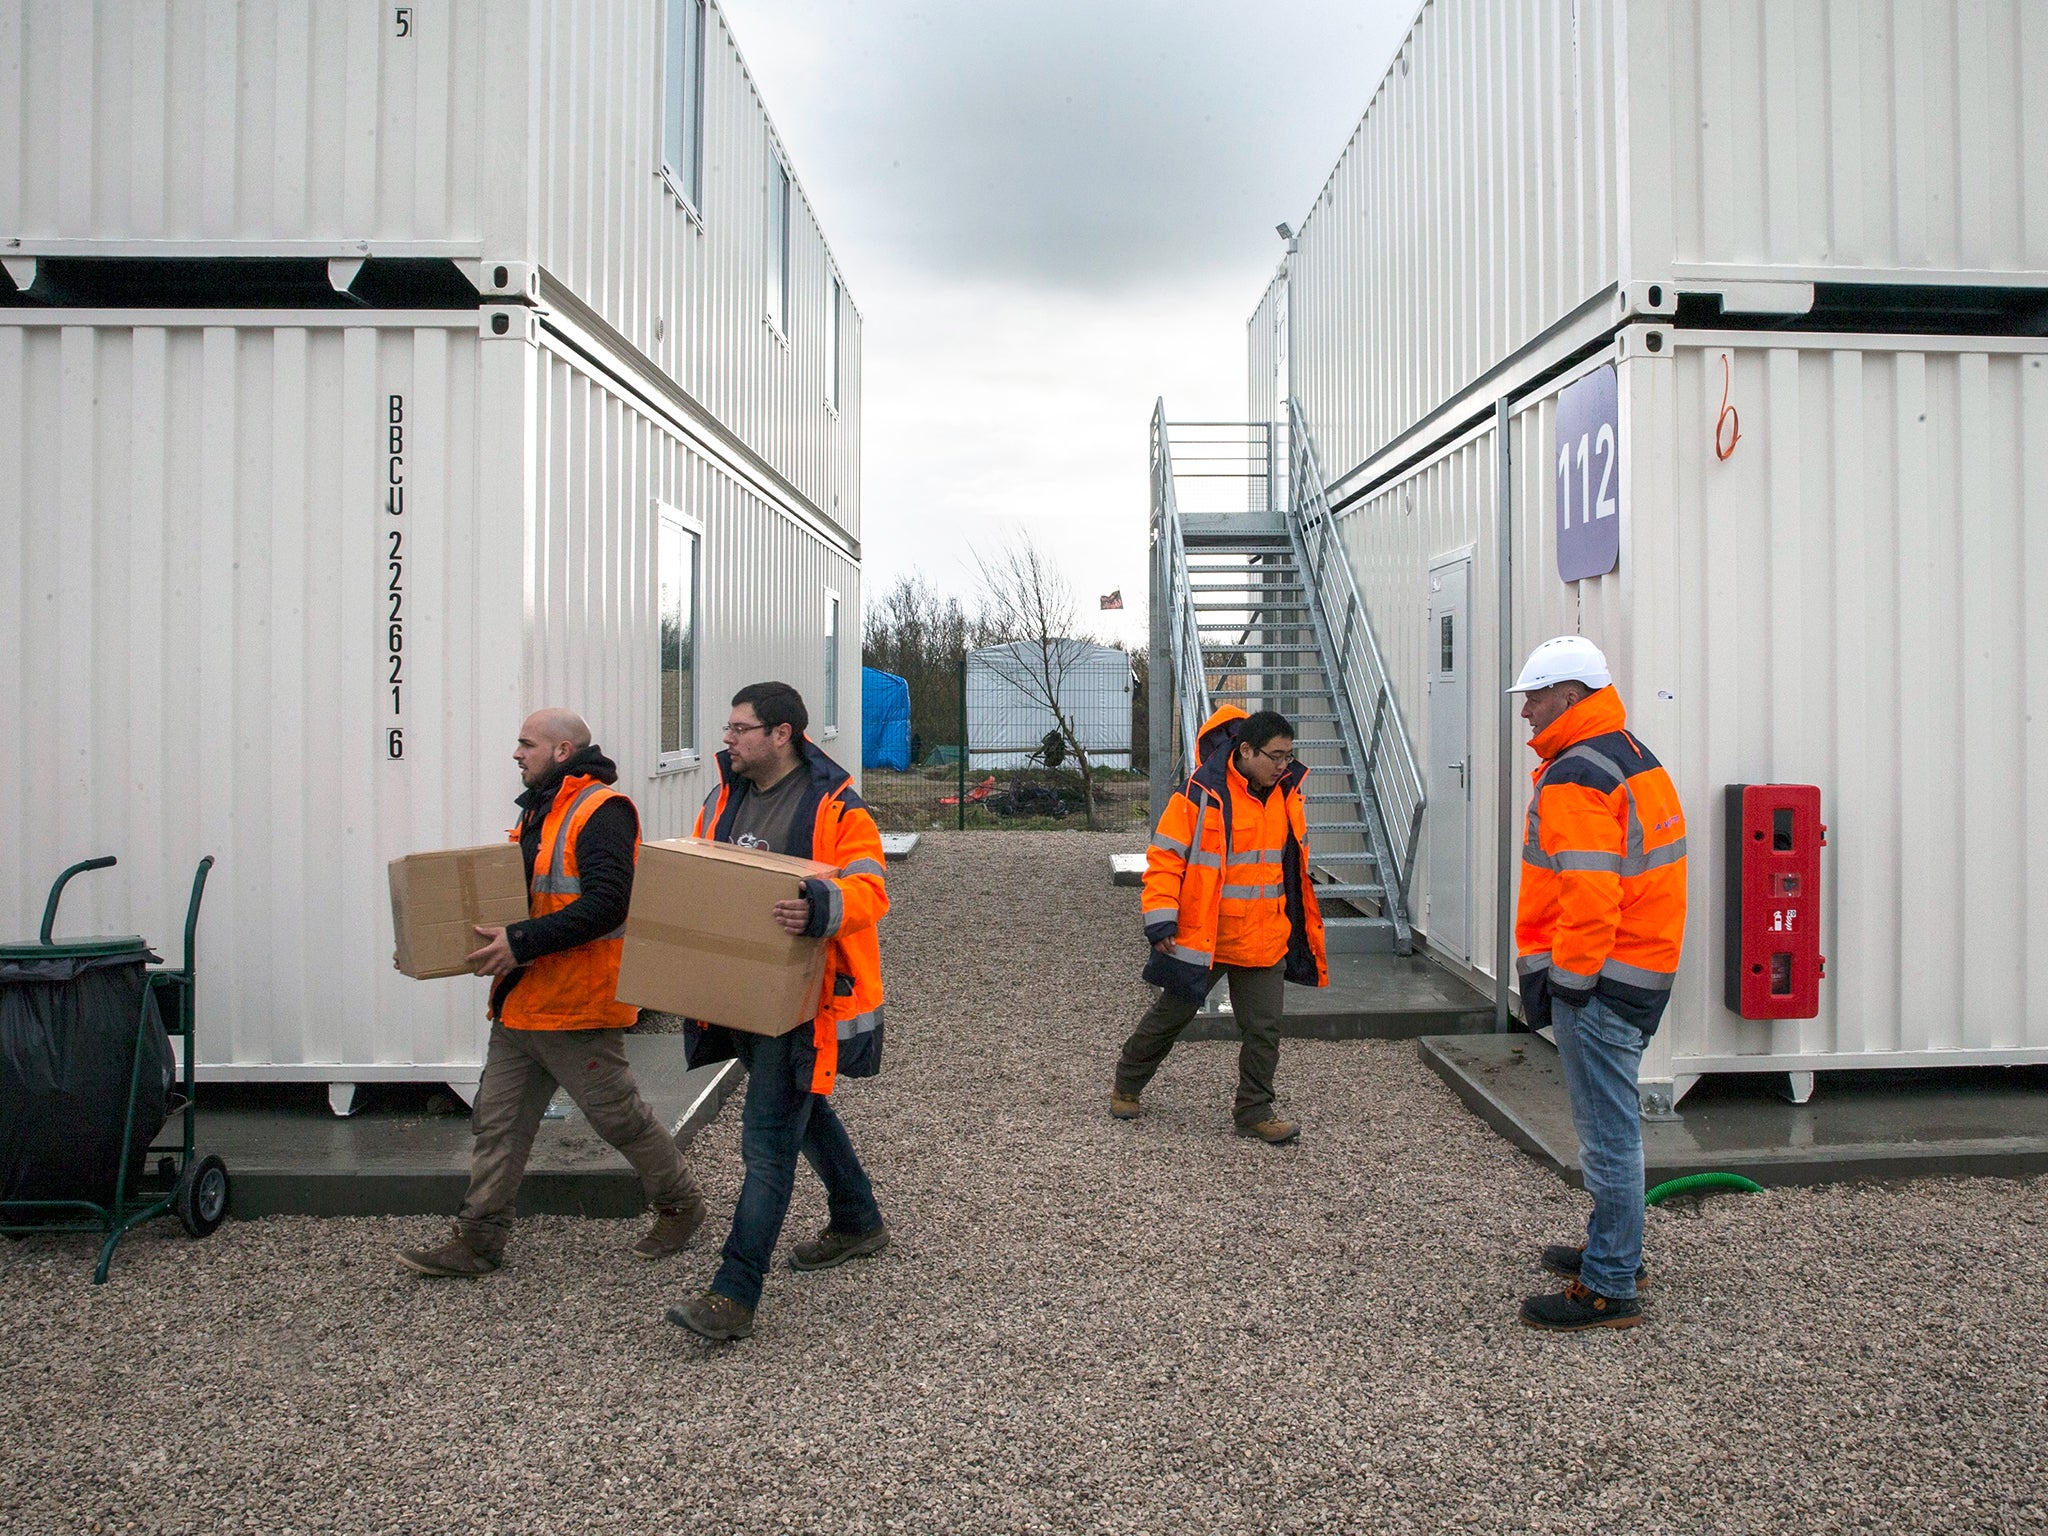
(1472, 208)
(610, 230)
(1853, 599)
(1004, 724)
(1262, 394)
(1520, 156)
(194, 536)
(1849, 600)
(197, 619)
(605, 460)
(1849, 136)
(522, 132)
(269, 122)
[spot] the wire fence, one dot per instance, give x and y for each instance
(954, 783)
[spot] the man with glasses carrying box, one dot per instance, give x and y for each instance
(1227, 894)
(777, 792)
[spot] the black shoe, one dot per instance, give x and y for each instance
(832, 1248)
(1563, 1259)
(714, 1317)
(1577, 1308)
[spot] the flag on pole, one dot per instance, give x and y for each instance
(1114, 600)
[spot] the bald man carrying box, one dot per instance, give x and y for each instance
(555, 1018)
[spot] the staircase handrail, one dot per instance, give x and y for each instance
(1359, 669)
(1190, 676)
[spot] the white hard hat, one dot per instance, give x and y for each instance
(1567, 659)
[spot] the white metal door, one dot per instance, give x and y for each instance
(1450, 757)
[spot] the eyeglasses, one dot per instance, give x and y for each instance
(1280, 759)
(734, 732)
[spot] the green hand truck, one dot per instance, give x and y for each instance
(193, 1187)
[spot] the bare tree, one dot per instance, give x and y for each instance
(1029, 614)
(921, 635)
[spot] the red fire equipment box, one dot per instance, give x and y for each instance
(1775, 836)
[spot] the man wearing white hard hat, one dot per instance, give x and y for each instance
(1598, 930)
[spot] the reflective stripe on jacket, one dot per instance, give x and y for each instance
(1602, 905)
(574, 988)
(845, 909)
(1226, 880)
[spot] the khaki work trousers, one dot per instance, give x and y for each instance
(1258, 998)
(521, 1071)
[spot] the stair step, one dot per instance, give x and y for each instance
(1319, 857)
(1253, 608)
(1274, 693)
(1297, 650)
(1325, 799)
(1269, 587)
(1346, 890)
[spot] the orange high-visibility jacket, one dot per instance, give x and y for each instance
(833, 826)
(1226, 876)
(573, 988)
(1603, 869)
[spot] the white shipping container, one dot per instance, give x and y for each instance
(1528, 171)
(1846, 600)
(526, 135)
(280, 588)
(1007, 717)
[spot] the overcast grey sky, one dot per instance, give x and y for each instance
(1051, 214)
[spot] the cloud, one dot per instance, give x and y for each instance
(1105, 146)
(1050, 215)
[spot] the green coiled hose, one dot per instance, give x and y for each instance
(1694, 1182)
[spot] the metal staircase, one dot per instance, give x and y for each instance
(1254, 605)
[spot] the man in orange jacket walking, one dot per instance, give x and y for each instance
(777, 792)
(555, 1017)
(1227, 893)
(1599, 928)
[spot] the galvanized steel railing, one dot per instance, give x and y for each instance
(1369, 715)
(1174, 587)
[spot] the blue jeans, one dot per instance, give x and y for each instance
(1601, 1051)
(783, 1118)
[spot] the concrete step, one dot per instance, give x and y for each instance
(1380, 996)
(1955, 1123)
(288, 1159)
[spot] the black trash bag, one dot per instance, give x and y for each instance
(67, 1043)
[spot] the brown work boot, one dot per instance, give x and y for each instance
(1123, 1106)
(1273, 1133)
(453, 1259)
(714, 1317)
(672, 1227)
(837, 1247)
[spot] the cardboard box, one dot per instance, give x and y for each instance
(702, 940)
(438, 899)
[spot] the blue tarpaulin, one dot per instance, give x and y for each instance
(884, 720)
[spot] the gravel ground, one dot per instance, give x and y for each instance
(1083, 1326)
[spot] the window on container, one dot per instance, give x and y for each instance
(831, 709)
(778, 244)
(682, 156)
(678, 564)
(832, 341)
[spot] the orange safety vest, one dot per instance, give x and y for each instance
(1602, 905)
(847, 1030)
(573, 988)
(1231, 871)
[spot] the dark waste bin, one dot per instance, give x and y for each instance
(73, 1016)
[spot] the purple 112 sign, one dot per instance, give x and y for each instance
(1588, 477)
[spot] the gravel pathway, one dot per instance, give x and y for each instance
(1083, 1326)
